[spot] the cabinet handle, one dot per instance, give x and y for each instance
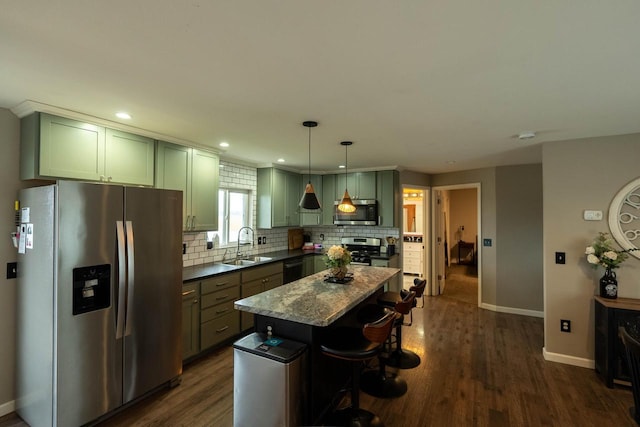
(221, 284)
(193, 222)
(109, 179)
(101, 177)
(222, 311)
(222, 329)
(186, 225)
(195, 301)
(222, 297)
(185, 293)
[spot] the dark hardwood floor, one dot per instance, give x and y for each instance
(479, 368)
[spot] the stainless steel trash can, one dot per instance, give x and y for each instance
(269, 382)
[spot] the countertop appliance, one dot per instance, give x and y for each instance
(98, 299)
(362, 248)
(366, 213)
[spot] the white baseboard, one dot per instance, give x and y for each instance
(568, 360)
(7, 408)
(512, 310)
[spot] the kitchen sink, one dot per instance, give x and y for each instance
(240, 262)
(248, 261)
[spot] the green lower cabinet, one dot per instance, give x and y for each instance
(190, 320)
(219, 320)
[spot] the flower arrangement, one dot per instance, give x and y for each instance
(602, 253)
(337, 256)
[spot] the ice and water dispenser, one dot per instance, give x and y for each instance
(91, 288)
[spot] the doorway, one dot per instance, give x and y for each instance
(415, 233)
(456, 254)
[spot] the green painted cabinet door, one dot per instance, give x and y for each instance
(328, 197)
(361, 185)
(204, 191)
(279, 199)
(71, 149)
(366, 185)
(279, 192)
(129, 158)
(312, 217)
(388, 196)
(173, 172)
(195, 173)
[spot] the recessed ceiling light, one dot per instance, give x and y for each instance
(123, 115)
(224, 144)
(451, 162)
(341, 167)
(527, 134)
(280, 160)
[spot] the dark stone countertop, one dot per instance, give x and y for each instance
(202, 271)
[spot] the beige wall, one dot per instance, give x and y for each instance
(9, 144)
(578, 175)
(519, 220)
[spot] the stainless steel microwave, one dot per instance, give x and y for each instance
(366, 213)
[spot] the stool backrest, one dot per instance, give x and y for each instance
(405, 306)
(418, 286)
(379, 331)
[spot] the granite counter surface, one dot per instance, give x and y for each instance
(312, 301)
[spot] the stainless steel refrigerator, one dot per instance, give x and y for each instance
(98, 299)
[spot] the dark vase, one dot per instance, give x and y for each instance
(609, 285)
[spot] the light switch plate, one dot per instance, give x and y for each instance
(592, 215)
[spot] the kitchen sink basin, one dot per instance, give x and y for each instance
(248, 261)
(240, 262)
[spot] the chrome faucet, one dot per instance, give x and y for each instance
(238, 254)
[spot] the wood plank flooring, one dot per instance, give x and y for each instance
(479, 368)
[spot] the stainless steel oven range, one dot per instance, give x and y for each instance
(362, 248)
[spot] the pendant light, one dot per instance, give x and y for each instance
(309, 199)
(346, 205)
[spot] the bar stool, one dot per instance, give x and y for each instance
(389, 298)
(358, 346)
(377, 382)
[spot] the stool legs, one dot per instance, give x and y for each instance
(355, 416)
(400, 358)
(380, 384)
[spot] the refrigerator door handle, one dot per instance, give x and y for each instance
(122, 274)
(130, 278)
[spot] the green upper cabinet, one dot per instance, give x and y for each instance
(195, 173)
(57, 147)
(361, 185)
(328, 197)
(279, 192)
(129, 158)
(388, 196)
(313, 217)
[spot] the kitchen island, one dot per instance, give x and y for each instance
(306, 311)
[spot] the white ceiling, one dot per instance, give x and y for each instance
(415, 84)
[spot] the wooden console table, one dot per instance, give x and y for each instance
(610, 314)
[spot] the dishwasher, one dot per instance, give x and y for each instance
(269, 382)
(293, 269)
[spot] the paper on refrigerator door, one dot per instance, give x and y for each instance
(22, 241)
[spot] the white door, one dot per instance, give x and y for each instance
(439, 225)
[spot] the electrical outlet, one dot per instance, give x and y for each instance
(184, 248)
(259, 240)
(264, 240)
(565, 325)
(560, 257)
(12, 270)
(209, 245)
